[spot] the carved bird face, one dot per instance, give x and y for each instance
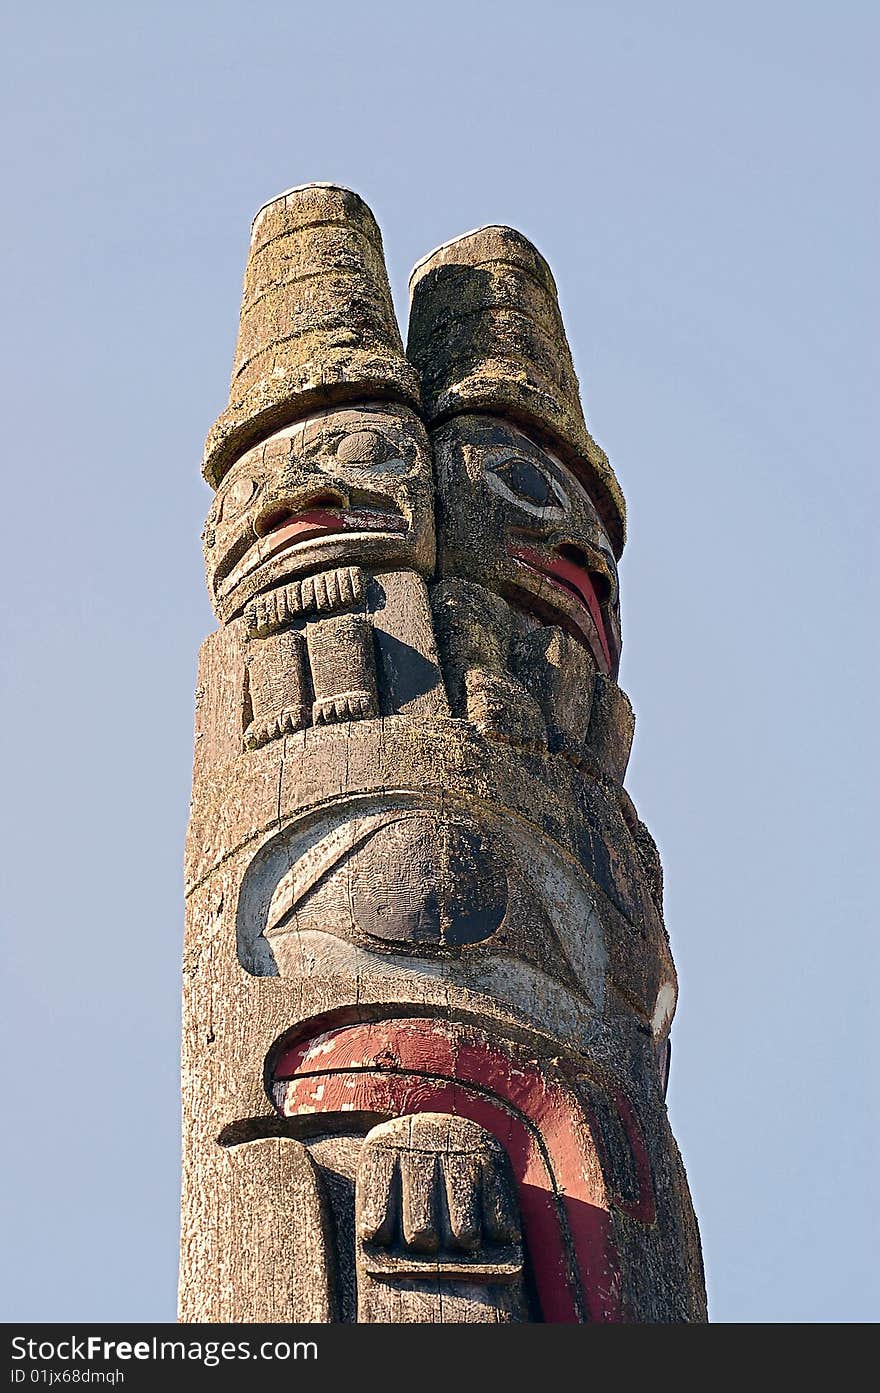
(512, 517)
(351, 486)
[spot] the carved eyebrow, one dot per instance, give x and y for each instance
(510, 452)
(301, 445)
(566, 476)
(331, 435)
(561, 471)
(388, 428)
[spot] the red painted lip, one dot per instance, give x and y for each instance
(317, 522)
(304, 527)
(573, 579)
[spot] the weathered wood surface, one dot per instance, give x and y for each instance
(427, 983)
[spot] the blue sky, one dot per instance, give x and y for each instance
(700, 178)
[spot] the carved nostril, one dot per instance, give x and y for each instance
(269, 520)
(277, 514)
(573, 554)
(601, 585)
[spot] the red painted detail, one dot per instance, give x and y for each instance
(290, 530)
(317, 522)
(434, 1056)
(644, 1208)
(565, 575)
(399, 1094)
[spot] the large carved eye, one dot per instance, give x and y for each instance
(526, 481)
(236, 498)
(362, 448)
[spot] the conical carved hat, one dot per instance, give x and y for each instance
(486, 334)
(317, 321)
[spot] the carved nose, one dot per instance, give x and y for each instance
(281, 509)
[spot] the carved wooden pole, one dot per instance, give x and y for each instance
(427, 985)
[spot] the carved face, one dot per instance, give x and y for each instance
(514, 518)
(342, 487)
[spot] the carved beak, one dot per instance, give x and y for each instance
(568, 575)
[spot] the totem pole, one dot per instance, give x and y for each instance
(427, 984)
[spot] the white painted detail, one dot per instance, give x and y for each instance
(664, 1008)
(322, 1044)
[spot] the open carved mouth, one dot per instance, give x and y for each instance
(565, 569)
(285, 530)
(356, 1073)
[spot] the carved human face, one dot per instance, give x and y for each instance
(514, 518)
(350, 486)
